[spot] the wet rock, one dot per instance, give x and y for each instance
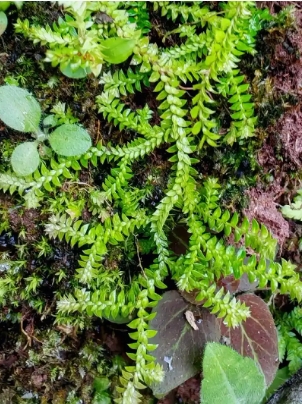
(290, 392)
(6, 241)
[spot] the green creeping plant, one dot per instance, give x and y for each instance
(20, 111)
(192, 82)
(90, 34)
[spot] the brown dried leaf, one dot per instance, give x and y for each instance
(191, 320)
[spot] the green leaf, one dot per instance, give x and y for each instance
(230, 378)
(194, 112)
(25, 158)
(155, 76)
(78, 73)
(19, 109)
(18, 4)
(119, 319)
(196, 128)
(50, 122)
(3, 22)
(4, 5)
(101, 384)
(293, 211)
(101, 396)
(117, 50)
(224, 23)
(219, 35)
(70, 140)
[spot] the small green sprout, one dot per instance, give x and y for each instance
(21, 111)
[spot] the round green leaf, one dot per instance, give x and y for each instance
(25, 158)
(50, 122)
(19, 109)
(3, 22)
(117, 50)
(79, 73)
(70, 140)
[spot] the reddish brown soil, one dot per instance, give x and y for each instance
(263, 208)
(280, 156)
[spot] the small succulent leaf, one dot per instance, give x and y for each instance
(178, 343)
(25, 159)
(239, 378)
(3, 22)
(256, 337)
(70, 140)
(117, 50)
(19, 109)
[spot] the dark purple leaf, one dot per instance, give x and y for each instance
(179, 345)
(256, 337)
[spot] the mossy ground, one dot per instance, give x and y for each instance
(41, 362)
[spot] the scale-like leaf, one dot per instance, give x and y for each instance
(179, 345)
(117, 50)
(25, 158)
(70, 140)
(230, 378)
(19, 109)
(256, 337)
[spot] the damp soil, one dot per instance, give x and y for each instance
(32, 346)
